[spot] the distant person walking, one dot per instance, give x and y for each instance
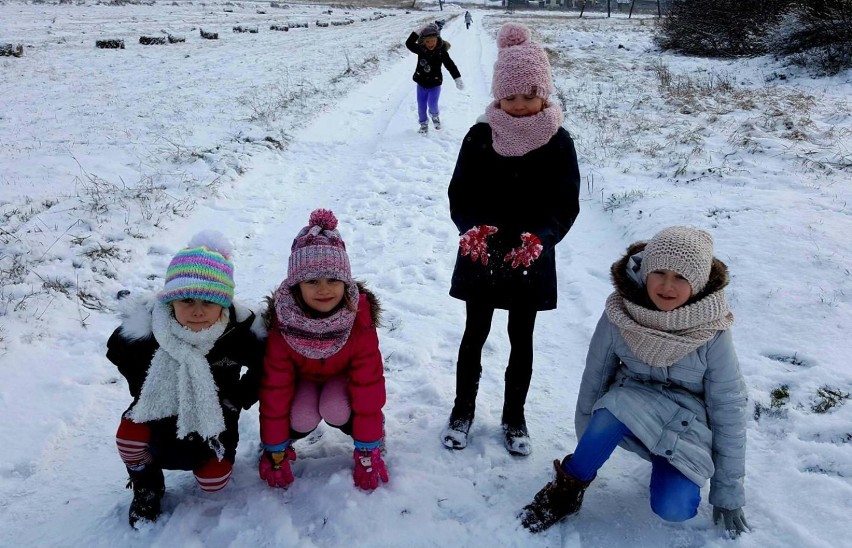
(467, 19)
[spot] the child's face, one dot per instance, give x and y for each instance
(522, 105)
(667, 289)
(195, 314)
(323, 294)
(430, 42)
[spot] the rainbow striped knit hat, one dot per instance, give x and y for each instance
(202, 270)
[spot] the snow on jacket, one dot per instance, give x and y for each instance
(428, 72)
(132, 346)
(537, 192)
(692, 413)
(359, 359)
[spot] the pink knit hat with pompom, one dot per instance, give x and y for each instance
(522, 66)
(318, 251)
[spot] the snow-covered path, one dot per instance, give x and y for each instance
(387, 184)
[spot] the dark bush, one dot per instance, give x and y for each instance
(817, 34)
(720, 28)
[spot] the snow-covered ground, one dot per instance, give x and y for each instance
(111, 159)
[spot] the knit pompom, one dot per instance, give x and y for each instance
(213, 240)
(323, 218)
(512, 34)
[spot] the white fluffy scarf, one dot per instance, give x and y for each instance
(179, 381)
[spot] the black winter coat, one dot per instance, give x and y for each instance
(537, 192)
(131, 348)
(428, 72)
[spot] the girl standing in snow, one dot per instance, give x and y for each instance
(181, 352)
(432, 52)
(661, 380)
(322, 358)
(513, 196)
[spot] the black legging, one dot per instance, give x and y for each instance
(518, 372)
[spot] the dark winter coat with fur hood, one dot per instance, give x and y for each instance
(359, 359)
(132, 346)
(428, 72)
(693, 412)
(537, 192)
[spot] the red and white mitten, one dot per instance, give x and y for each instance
(526, 253)
(474, 243)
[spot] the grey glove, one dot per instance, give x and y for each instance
(734, 521)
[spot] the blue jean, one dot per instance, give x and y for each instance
(427, 97)
(674, 497)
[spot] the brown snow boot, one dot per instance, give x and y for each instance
(560, 498)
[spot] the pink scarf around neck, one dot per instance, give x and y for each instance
(517, 136)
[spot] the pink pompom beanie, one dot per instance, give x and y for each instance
(318, 251)
(522, 66)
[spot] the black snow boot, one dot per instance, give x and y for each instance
(454, 435)
(517, 439)
(558, 499)
(148, 487)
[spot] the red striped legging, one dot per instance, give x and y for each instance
(132, 440)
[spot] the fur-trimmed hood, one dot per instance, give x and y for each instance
(136, 318)
(375, 307)
(628, 289)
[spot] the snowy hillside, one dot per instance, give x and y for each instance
(111, 159)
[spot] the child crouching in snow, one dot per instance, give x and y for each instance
(513, 196)
(182, 352)
(662, 380)
(322, 358)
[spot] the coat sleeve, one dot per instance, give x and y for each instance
(563, 199)
(132, 358)
(451, 66)
(277, 387)
(411, 43)
(254, 348)
(726, 399)
(461, 193)
(601, 366)
(367, 386)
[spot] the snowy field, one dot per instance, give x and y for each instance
(111, 159)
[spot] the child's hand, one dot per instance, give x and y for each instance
(526, 253)
(733, 521)
(459, 83)
(274, 467)
(369, 468)
(473, 243)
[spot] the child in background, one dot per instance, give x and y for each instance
(513, 196)
(182, 352)
(468, 18)
(322, 358)
(662, 380)
(432, 52)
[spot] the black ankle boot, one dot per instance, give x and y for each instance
(148, 489)
(558, 499)
(517, 439)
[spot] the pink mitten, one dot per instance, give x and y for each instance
(473, 243)
(369, 468)
(274, 467)
(527, 252)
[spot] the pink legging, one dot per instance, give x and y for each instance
(328, 401)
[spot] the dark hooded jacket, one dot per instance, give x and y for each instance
(131, 348)
(428, 72)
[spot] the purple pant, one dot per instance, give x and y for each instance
(427, 97)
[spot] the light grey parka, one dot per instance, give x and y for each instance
(692, 413)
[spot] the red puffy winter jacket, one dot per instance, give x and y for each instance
(359, 358)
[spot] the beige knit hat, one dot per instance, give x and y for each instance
(682, 249)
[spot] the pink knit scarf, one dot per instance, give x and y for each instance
(517, 136)
(315, 338)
